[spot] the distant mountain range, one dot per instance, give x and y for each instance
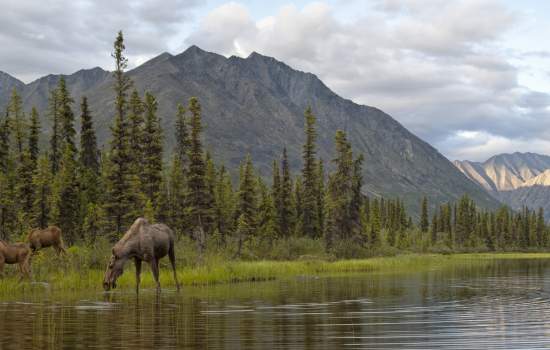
(255, 105)
(518, 179)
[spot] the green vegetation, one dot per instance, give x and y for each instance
(81, 270)
(226, 229)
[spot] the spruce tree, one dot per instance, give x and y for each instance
(276, 194)
(16, 117)
(197, 195)
(136, 123)
(5, 133)
(285, 214)
(356, 201)
(118, 202)
(247, 205)
(339, 191)
(34, 135)
(66, 116)
(176, 197)
(375, 226)
(66, 197)
(225, 204)
(55, 137)
(320, 194)
(42, 183)
(309, 220)
(424, 221)
(152, 151)
(182, 136)
(89, 153)
(541, 239)
(25, 188)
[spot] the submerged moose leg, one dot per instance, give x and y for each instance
(155, 269)
(172, 257)
(138, 273)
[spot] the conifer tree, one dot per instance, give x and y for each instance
(340, 191)
(16, 117)
(266, 211)
(136, 124)
(42, 183)
(198, 195)
(176, 197)
(308, 213)
(225, 204)
(375, 227)
(247, 205)
(320, 195)
(424, 222)
(55, 137)
(66, 116)
(25, 188)
(34, 135)
(285, 214)
(89, 153)
(541, 239)
(298, 196)
(5, 133)
(118, 201)
(356, 200)
(66, 197)
(152, 151)
(182, 136)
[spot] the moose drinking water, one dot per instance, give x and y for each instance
(142, 242)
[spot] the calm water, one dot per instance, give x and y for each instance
(501, 305)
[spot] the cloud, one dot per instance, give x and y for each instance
(64, 36)
(437, 66)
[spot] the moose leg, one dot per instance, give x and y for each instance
(2, 260)
(155, 269)
(138, 273)
(172, 257)
(59, 248)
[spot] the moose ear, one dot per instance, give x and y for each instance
(113, 251)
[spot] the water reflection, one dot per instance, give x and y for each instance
(500, 305)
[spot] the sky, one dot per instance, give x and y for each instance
(471, 77)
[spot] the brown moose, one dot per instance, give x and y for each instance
(47, 237)
(142, 242)
(16, 253)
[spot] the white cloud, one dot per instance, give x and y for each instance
(438, 66)
(41, 37)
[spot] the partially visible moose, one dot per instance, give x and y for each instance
(16, 253)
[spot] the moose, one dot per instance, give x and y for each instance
(44, 238)
(16, 253)
(142, 242)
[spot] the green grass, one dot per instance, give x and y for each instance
(73, 277)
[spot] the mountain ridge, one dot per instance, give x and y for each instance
(255, 105)
(517, 179)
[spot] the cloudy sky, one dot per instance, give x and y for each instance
(469, 76)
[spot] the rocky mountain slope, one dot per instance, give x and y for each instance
(255, 105)
(518, 179)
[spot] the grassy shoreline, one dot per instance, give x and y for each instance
(223, 272)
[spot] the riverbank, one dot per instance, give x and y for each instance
(70, 279)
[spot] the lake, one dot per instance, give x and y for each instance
(502, 304)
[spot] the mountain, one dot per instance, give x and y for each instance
(7, 83)
(518, 179)
(255, 105)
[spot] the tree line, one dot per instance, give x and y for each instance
(91, 194)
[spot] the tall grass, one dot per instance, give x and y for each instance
(77, 271)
